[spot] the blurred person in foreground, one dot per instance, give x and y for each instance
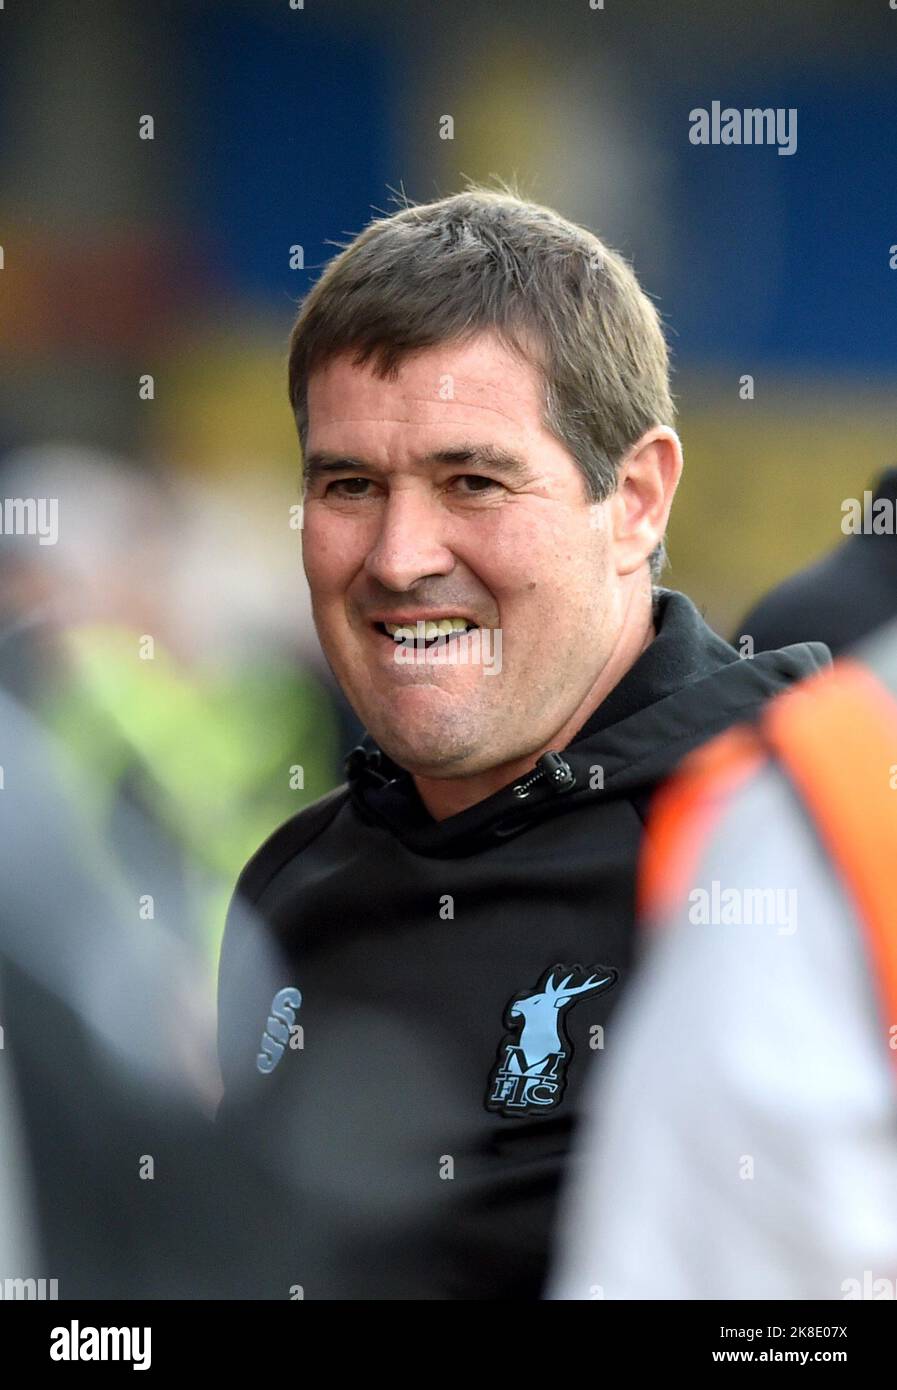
(742, 1142)
(847, 594)
(482, 398)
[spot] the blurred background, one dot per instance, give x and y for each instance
(149, 286)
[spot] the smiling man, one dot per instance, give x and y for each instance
(481, 394)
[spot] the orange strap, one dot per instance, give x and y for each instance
(684, 813)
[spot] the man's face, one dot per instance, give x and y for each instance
(449, 499)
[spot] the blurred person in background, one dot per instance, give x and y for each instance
(138, 635)
(846, 595)
(482, 398)
(115, 1182)
(741, 1142)
(141, 742)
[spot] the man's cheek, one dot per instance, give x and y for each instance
(327, 568)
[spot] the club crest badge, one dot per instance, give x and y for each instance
(530, 1074)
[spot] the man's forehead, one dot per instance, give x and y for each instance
(432, 385)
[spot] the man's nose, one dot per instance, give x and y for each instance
(410, 544)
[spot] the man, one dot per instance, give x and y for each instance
(761, 1161)
(482, 397)
(847, 594)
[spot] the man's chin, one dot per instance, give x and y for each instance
(432, 754)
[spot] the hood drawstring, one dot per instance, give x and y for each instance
(364, 762)
(553, 768)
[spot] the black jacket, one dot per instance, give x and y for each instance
(451, 982)
(840, 599)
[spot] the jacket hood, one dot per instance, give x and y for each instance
(687, 685)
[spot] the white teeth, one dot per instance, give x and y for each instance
(432, 628)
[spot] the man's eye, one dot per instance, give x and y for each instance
(472, 480)
(345, 486)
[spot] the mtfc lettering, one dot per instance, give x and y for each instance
(531, 1071)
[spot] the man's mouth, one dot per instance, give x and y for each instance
(425, 632)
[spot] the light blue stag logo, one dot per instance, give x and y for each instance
(531, 1071)
(277, 1034)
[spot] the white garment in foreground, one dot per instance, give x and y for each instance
(742, 1050)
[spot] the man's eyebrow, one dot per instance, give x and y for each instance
(470, 456)
(490, 456)
(319, 463)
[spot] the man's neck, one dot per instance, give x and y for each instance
(447, 796)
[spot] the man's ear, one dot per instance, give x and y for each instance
(646, 483)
